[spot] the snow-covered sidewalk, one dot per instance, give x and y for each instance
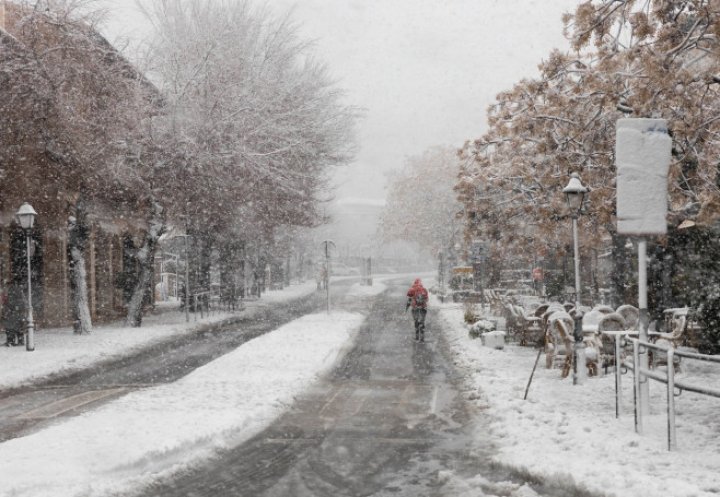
(570, 433)
(58, 350)
(152, 432)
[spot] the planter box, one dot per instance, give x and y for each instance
(494, 339)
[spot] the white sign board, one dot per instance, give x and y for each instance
(642, 155)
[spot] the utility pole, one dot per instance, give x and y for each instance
(328, 245)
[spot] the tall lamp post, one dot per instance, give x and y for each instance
(26, 217)
(187, 276)
(328, 246)
(575, 193)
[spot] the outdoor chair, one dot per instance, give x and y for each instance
(597, 348)
(525, 328)
(605, 309)
(541, 309)
(678, 324)
(631, 315)
(609, 322)
(558, 331)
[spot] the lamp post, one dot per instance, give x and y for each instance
(187, 278)
(328, 246)
(575, 193)
(26, 217)
(187, 275)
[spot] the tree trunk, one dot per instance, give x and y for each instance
(77, 244)
(202, 244)
(145, 259)
(229, 265)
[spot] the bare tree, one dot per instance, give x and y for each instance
(258, 121)
(421, 205)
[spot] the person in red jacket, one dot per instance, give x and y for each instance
(417, 299)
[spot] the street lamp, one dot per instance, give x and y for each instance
(187, 275)
(575, 193)
(26, 217)
(328, 247)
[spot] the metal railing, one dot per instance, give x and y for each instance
(641, 375)
(619, 337)
(201, 301)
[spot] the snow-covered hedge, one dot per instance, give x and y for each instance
(480, 327)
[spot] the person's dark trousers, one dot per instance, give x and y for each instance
(419, 318)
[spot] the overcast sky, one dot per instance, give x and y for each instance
(425, 71)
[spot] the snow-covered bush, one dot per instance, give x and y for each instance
(471, 315)
(480, 327)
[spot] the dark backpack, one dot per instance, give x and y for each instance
(419, 299)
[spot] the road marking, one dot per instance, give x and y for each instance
(433, 402)
(332, 399)
(360, 404)
(61, 406)
(97, 387)
(335, 438)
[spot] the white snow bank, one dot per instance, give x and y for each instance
(571, 432)
(147, 433)
(60, 350)
(290, 292)
(358, 290)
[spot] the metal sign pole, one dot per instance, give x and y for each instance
(327, 274)
(187, 281)
(644, 323)
(643, 151)
(326, 245)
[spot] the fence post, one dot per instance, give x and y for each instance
(636, 387)
(672, 442)
(618, 377)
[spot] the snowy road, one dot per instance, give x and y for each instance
(390, 420)
(28, 409)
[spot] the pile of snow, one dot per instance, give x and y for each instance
(358, 290)
(146, 434)
(494, 339)
(481, 326)
(570, 432)
(59, 350)
(290, 292)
